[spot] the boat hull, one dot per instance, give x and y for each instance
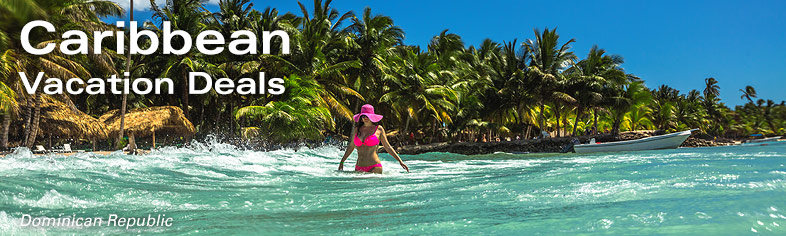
(773, 139)
(668, 141)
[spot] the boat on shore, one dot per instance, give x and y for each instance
(666, 141)
(763, 140)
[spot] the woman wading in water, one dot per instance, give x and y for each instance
(366, 136)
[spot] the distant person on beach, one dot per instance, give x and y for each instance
(366, 135)
(544, 134)
(131, 147)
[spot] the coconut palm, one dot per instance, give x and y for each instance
(632, 96)
(513, 93)
(297, 116)
(590, 76)
(662, 107)
(639, 118)
(711, 87)
(587, 90)
(688, 112)
(547, 60)
(748, 93)
(9, 107)
(712, 106)
(191, 17)
(83, 14)
(320, 52)
(375, 37)
(417, 90)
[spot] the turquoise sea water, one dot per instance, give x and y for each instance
(219, 189)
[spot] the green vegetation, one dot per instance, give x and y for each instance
(340, 60)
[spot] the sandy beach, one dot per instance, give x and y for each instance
(66, 154)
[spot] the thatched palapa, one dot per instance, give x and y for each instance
(58, 120)
(145, 122)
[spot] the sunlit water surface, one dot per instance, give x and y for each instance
(219, 189)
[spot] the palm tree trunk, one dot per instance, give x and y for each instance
(434, 131)
(5, 128)
(185, 96)
(28, 114)
(542, 117)
(34, 121)
(406, 124)
(559, 128)
(579, 112)
(595, 125)
(122, 122)
(217, 116)
(124, 103)
(615, 128)
(565, 124)
(529, 129)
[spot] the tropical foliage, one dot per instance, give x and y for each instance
(341, 60)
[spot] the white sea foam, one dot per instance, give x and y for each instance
(53, 199)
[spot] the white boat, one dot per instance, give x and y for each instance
(666, 141)
(773, 139)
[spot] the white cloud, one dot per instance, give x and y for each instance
(140, 5)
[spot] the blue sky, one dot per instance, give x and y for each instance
(664, 42)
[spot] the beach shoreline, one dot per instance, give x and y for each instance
(548, 145)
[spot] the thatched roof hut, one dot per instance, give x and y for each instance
(145, 122)
(58, 120)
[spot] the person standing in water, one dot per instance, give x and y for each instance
(366, 136)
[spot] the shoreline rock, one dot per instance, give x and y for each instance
(549, 145)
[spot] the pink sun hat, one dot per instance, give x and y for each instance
(367, 110)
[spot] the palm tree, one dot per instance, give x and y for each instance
(8, 99)
(188, 16)
(630, 97)
(474, 79)
(297, 116)
(375, 37)
(418, 90)
(512, 94)
(662, 112)
(748, 93)
(711, 87)
(123, 104)
(768, 113)
(639, 118)
(662, 107)
(711, 92)
(587, 92)
(320, 51)
(547, 59)
(687, 110)
(592, 75)
(82, 14)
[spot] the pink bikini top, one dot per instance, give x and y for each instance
(371, 140)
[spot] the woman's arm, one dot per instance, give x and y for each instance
(350, 148)
(390, 150)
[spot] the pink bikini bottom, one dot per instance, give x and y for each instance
(367, 168)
